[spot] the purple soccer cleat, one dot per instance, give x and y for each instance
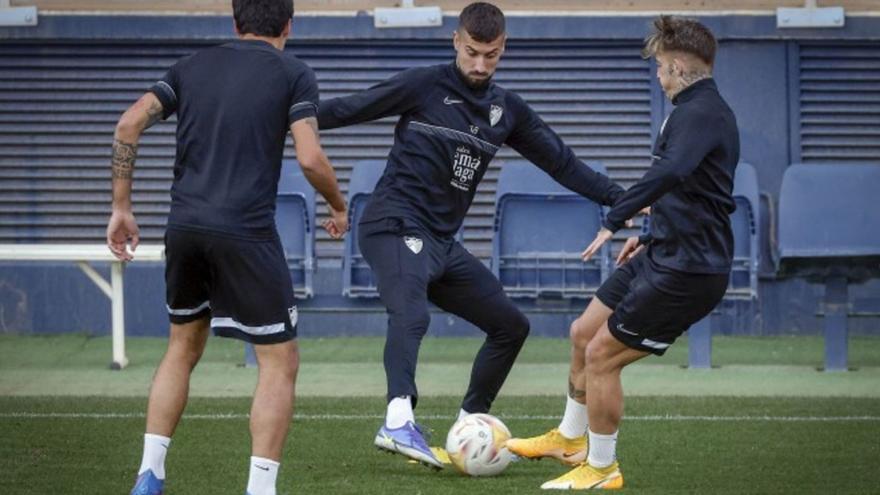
(407, 440)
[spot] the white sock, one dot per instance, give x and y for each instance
(155, 448)
(462, 413)
(264, 472)
(574, 421)
(399, 412)
(603, 449)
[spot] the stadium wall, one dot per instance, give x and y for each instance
(509, 6)
(759, 70)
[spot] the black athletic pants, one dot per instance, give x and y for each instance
(413, 267)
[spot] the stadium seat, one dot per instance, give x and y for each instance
(295, 220)
(828, 233)
(746, 241)
(357, 278)
(540, 230)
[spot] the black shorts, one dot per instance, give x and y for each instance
(653, 305)
(243, 285)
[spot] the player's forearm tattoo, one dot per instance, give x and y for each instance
(124, 155)
(313, 123)
(574, 392)
(154, 113)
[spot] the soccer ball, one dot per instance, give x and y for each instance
(476, 445)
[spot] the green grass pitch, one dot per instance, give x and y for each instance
(750, 439)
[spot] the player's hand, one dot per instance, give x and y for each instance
(601, 238)
(630, 248)
(337, 224)
(122, 230)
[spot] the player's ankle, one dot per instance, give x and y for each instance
(263, 475)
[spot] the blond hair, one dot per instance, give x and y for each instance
(676, 34)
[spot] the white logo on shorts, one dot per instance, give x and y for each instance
(294, 315)
(413, 243)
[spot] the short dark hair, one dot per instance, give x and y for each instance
(676, 34)
(483, 21)
(262, 17)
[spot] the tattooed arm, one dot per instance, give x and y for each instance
(122, 228)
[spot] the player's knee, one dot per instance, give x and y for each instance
(280, 360)
(577, 334)
(582, 331)
(186, 351)
(190, 357)
(294, 362)
(292, 367)
(598, 355)
(519, 326)
(286, 370)
(186, 342)
(410, 321)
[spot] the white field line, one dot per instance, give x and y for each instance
(356, 417)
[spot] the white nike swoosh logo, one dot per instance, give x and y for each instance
(620, 327)
(451, 102)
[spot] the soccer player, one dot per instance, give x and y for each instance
(668, 280)
(453, 120)
(225, 266)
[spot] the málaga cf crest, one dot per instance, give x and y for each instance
(413, 243)
(495, 114)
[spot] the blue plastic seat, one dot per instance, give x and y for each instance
(827, 225)
(828, 233)
(540, 230)
(295, 220)
(357, 278)
(746, 241)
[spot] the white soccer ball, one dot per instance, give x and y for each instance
(476, 445)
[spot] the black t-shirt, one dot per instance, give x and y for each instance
(235, 104)
(689, 185)
(446, 136)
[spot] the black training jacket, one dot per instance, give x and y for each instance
(689, 185)
(445, 138)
